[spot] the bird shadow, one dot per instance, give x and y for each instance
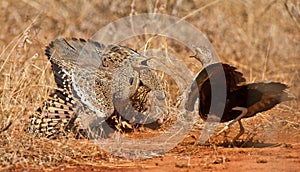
(249, 144)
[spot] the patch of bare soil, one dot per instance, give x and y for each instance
(190, 157)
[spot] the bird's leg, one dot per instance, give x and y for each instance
(244, 112)
(242, 130)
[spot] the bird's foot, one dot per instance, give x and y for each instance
(224, 129)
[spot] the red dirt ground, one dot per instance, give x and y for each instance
(284, 157)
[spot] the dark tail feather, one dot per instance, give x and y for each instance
(275, 89)
(262, 96)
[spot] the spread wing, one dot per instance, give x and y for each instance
(59, 113)
(201, 86)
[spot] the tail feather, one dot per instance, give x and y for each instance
(276, 89)
(262, 96)
(55, 118)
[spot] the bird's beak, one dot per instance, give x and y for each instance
(142, 64)
(145, 62)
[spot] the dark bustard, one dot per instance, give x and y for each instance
(241, 100)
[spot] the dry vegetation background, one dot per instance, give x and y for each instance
(260, 37)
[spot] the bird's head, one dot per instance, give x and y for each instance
(204, 55)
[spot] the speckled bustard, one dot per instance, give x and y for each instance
(122, 78)
(241, 100)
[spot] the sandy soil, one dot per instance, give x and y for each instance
(192, 157)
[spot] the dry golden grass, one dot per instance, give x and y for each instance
(261, 38)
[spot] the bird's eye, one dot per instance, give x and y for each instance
(144, 62)
(131, 80)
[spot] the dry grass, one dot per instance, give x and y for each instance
(261, 38)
